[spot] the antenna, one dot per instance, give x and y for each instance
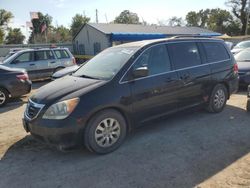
(96, 15)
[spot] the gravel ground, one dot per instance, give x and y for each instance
(188, 149)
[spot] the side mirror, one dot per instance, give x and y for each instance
(140, 72)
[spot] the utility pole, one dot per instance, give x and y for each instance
(248, 14)
(96, 15)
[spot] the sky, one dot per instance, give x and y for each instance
(62, 11)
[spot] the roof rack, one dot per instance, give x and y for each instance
(190, 36)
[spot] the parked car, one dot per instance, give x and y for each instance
(229, 45)
(127, 85)
(243, 61)
(64, 72)
(13, 83)
(42, 62)
(248, 100)
(240, 46)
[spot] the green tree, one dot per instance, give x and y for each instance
(239, 10)
(77, 22)
(59, 34)
(198, 19)
(127, 17)
(5, 17)
(175, 21)
(219, 19)
(193, 19)
(36, 34)
(14, 36)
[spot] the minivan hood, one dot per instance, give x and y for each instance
(244, 66)
(62, 87)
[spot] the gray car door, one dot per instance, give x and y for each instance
(45, 63)
(25, 60)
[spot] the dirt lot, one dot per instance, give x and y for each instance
(191, 149)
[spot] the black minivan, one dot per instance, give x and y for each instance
(130, 84)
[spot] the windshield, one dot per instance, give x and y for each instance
(243, 56)
(245, 44)
(106, 64)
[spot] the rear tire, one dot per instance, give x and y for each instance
(4, 96)
(218, 99)
(248, 105)
(105, 132)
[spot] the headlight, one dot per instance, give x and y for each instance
(61, 110)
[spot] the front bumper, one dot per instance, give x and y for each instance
(61, 133)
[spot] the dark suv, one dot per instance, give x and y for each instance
(130, 84)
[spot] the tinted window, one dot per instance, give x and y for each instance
(215, 51)
(25, 57)
(156, 59)
(60, 54)
(106, 64)
(43, 55)
(184, 54)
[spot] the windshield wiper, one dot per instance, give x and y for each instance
(86, 76)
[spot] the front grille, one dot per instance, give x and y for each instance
(33, 109)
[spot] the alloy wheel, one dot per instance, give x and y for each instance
(219, 98)
(2, 97)
(107, 132)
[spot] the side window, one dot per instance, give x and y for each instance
(184, 54)
(43, 55)
(50, 54)
(25, 57)
(156, 59)
(60, 54)
(215, 51)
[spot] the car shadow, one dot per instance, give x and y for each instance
(182, 150)
(13, 104)
(39, 83)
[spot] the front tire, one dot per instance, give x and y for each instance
(218, 99)
(105, 132)
(4, 96)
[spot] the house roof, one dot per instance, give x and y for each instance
(121, 29)
(136, 28)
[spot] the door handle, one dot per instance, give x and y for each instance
(52, 62)
(185, 77)
(32, 64)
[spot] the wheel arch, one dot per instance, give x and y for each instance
(118, 109)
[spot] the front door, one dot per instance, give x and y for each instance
(155, 94)
(26, 61)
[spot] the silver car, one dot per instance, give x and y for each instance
(41, 63)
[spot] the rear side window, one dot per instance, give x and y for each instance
(156, 59)
(60, 54)
(184, 54)
(215, 51)
(43, 55)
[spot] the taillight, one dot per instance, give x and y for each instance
(22, 77)
(236, 69)
(74, 61)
